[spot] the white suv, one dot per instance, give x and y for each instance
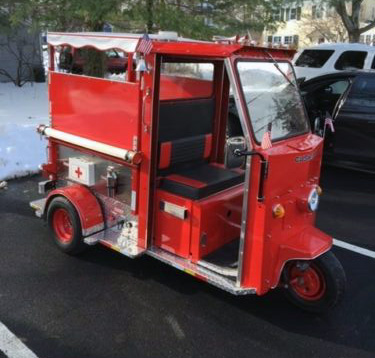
(327, 58)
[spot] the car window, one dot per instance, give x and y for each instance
(351, 60)
(314, 58)
(362, 93)
(113, 54)
(373, 64)
(338, 87)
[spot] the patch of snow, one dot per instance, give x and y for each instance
(116, 77)
(21, 110)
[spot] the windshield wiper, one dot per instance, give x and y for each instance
(276, 64)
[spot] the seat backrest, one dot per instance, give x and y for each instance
(185, 131)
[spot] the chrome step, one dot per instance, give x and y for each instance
(200, 272)
(225, 271)
(123, 239)
(38, 206)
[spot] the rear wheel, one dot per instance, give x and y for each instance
(65, 226)
(316, 285)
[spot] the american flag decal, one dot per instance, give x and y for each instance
(145, 45)
(266, 140)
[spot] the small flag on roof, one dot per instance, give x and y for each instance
(145, 45)
(266, 140)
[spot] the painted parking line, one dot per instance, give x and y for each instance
(12, 346)
(354, 248)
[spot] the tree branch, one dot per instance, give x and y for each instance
(370, 26)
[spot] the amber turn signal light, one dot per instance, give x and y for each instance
(278, 211)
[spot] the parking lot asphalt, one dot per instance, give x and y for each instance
(103, 304)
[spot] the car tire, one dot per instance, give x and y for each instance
(65, 226)
(317, 285)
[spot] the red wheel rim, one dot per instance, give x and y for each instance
(62, 226)
(307, 282)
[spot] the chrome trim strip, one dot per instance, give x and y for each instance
(246, 130)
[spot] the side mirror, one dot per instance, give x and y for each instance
(231, 159)
(318, 126)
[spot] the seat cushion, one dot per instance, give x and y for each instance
(200, 181)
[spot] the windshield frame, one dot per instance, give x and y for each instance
(243, 98)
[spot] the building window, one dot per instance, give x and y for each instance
(287, 14)
(293, 14)
(288, 40)
(316, 12)
(299, 12)
(296, 40)
(269, 39)
(276, 15)
(277, 39)
(362, 39)
(368, 39)
(282, 16)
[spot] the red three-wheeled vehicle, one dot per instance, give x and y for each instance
(142, 163)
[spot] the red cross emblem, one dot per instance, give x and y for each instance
(78, 172)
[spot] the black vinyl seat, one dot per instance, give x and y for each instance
(185, 145)
(200, 181)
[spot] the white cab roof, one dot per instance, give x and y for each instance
(342, 46)
(108, 40)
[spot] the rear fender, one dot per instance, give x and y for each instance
(86, 204)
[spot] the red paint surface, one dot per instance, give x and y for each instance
(219, 218)
(104, 111)
(84, 202)
(270, 242)
(165, 155)
(207, 145)
(173, 87)
(309, 283)
(172, 233)
(62, 226)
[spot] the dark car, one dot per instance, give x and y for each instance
(349, 98)
(72, 60)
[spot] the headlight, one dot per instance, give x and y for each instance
(313, 200)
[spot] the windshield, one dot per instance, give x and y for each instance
(272, 99)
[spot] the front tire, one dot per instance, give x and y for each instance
(317, 285)
(65, 226)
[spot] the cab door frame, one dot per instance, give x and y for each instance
(245, 125)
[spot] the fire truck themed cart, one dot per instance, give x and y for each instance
(143, 165)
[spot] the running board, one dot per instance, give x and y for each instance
(199, 272)
(119, 238)
(225, 271)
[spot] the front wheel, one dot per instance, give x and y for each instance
(316, 285)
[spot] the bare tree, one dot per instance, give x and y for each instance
(351, 20)
(23, 52)
(329, 28)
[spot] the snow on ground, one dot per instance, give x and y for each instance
(21, 110)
